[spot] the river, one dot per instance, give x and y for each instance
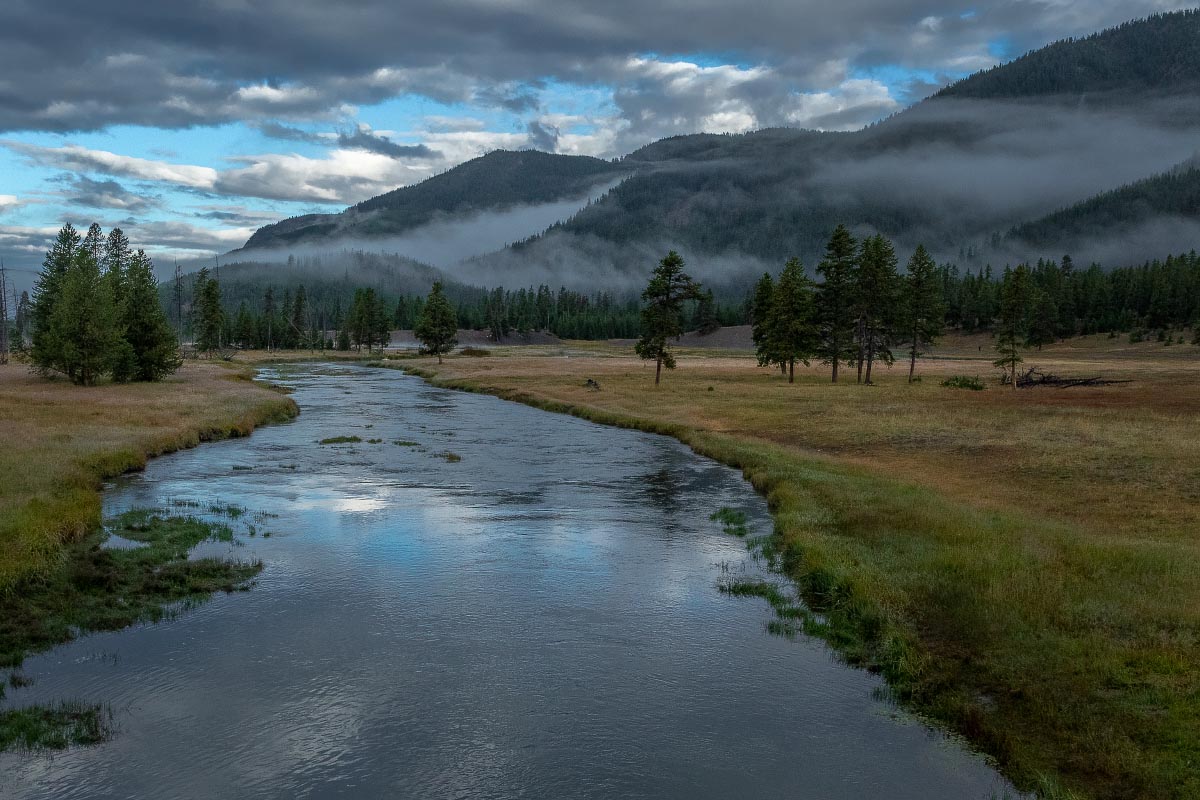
(540, 618)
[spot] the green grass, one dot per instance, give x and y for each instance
(733, 521)
(964, 382)
(55, 727)
(406, 443)
(453, 458)
(341, 440)
(98, 589)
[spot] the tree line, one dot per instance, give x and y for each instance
(95, 312)
(861, 308)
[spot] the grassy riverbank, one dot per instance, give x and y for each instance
(1024, 566)
(59, 442)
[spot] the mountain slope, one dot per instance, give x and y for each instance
(496, 181)
(1171, 196)
(1160, 52)
(1011, 144)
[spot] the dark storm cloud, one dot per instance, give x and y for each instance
(205, 62)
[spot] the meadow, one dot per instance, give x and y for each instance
(1023, 566)
(59, 442)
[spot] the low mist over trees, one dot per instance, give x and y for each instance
(95, 312)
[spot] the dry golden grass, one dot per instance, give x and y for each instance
(58, 441)
(1022, 565)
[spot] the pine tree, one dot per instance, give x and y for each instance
(209, 316)
(760, 319)
(269, 316)
(662, 317)
(922, 308)
(46, 349)
(438, 324)
(1014, 320)
(705, 321)
(5, 331)
(876, 295)
(791, 323)
(84, 322)
(1044, 319)
(148, 332)
(299, 322)
(836, 299)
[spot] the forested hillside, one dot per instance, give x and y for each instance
(1172, 195)
(1016, 143)
(1161, 52)
(498, 180)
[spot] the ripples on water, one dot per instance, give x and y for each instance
(540, 619)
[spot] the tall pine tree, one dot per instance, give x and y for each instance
(437, 326)
(662, 316)
(836, 299)
(921, 306)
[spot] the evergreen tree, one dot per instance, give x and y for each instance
(1044, 319)
(836, 299)
(705, 321)
(760, 314)
(84, 322)
(438, 325)
(343, 340)
(876, 294)
(269, 316)
(791, 324)
(299, 321)
(209, 316)
(46, 350)
(148, 334)
(922, 309)
(1014, 320)
(662, 317)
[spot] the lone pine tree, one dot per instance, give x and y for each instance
(437, 326)
(662, 316)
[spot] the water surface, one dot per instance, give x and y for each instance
(539, 619)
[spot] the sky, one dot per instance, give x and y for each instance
(192, 124)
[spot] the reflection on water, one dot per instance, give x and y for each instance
(540, 619)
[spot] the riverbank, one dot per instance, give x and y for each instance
(1021, 566)
(60, 442)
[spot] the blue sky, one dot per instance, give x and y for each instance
(190, 125)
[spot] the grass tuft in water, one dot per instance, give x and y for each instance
(453, 458)
(341, 440)
(100, 589)
(405, 443)
(734, 521)
(55, 727)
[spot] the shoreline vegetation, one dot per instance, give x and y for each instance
(56, 578)
(62, 442)
(1018, 566)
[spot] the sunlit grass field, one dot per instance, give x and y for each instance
(1024, 565)
(58, 442)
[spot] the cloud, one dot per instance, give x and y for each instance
(214, 61)
(364, 139)
(107, 194)
(342, 177)
(542, 137)
(8, 202)
(81, 159)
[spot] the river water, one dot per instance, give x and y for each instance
(538, 619)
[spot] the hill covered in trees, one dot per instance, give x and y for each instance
(990, 153)
(1161, 52)
(496, 181)
(1170, 197)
